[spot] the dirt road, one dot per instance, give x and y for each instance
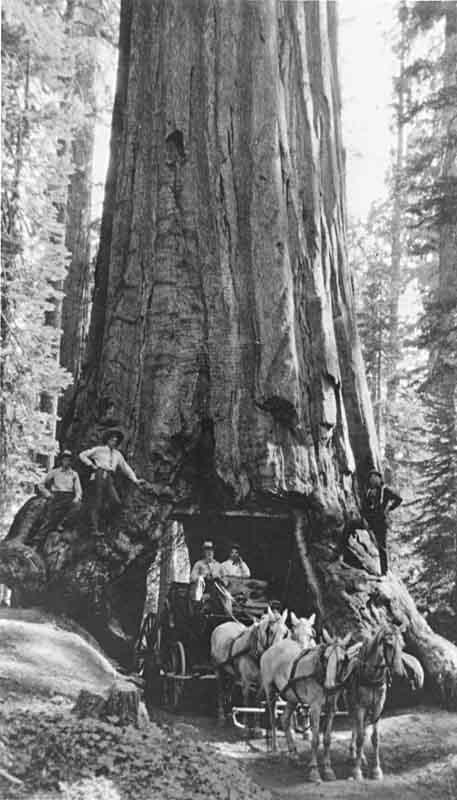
(418, 755)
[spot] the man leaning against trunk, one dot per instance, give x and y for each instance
(105, 460)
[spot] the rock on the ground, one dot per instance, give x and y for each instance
(41, 658)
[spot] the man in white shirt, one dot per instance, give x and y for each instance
(105, 459)
(206, 568)
(62, 488)
(235, 567)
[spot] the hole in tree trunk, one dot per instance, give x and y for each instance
(267, 545)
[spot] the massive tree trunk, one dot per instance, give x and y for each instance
(223, 327)
(76, 288)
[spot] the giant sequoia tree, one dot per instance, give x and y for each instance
(223, 325)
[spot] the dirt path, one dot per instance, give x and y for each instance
(418, 755)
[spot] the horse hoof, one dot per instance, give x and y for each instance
(357, 774)
(376, 774)
(328, 774)
(314, 775)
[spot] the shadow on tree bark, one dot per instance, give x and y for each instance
(223, 326)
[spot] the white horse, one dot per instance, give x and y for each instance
(309, 677)
(236, 650)
(303, 632)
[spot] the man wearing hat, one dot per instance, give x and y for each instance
(235, 567)
(207, 568)
(378, 500)
(105, 459)
(62, 487)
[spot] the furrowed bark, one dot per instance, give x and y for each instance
(223, 326)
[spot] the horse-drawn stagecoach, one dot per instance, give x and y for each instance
(178, 648)
(174, 647)
(188, 643)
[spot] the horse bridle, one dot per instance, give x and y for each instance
(343, 680)
(293, 679)
(268, 641)
(385, 668)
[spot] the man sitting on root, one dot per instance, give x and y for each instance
(62, 488)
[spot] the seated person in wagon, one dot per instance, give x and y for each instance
(207, 591)
(207, 568)
(235, 567)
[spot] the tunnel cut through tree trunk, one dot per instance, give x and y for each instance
(223, 325)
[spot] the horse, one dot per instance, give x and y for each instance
(236, 650)
(303, 632)
(380, 657)
(309, 677)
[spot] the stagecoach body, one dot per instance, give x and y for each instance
(174, 647)
(174, 644)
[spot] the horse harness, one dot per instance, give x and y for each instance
(257, 652)
(361, 678)
(385, 676)
(293, 680)
(233, 656)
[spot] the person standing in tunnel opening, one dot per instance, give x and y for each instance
(378, 500)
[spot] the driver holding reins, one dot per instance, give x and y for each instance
(206, 568)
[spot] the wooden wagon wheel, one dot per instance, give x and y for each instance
(174, 658)
(144, 643)
(152, 666)
(174, 666)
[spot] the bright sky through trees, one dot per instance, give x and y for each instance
(367, 67)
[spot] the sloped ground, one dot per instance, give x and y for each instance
(46, 752)
(38, 657)
(42, 668)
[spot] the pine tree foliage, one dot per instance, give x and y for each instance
(424, 424)
(433, 186)
(48, 47)
(435, 534)
(369, 248)
(35, 169)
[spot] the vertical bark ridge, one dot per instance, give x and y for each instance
(225, 256)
